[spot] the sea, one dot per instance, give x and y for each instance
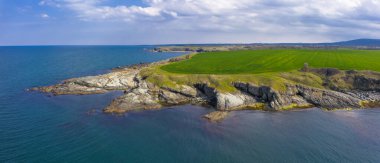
(37, 127)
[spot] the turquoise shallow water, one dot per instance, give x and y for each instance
(38, 128)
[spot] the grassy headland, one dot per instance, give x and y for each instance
(275, 60)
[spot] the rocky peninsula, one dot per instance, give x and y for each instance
(338, 89)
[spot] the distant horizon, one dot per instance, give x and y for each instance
(180, 44)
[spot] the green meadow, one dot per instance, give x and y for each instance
(270, 67)
(275, 60)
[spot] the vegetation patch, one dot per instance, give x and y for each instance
(224, 83)
(370, 104)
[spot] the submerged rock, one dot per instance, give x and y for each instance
(216, 116)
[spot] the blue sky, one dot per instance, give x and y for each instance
(121, 22)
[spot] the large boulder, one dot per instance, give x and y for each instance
(229, 101)
(172, 98)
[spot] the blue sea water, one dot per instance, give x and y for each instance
(35, 127)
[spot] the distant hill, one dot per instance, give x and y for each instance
(354, 44)
(358, 42)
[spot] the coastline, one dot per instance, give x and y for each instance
(141, 93)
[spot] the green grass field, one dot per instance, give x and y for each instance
(278, 60)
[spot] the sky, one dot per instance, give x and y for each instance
(143, 22)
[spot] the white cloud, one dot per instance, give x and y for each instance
(54, 3)
(323, 18)
(91, 10)
(41, 3)
(45, 16)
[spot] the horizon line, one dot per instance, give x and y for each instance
(167, 44)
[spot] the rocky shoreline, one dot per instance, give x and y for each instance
(140, 94)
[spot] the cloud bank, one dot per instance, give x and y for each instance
(228, 21)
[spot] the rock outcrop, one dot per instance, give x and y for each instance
(143, 96)
(328, 99)
(366, 84)
(120, 80)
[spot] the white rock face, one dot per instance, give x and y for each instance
(228, 101)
